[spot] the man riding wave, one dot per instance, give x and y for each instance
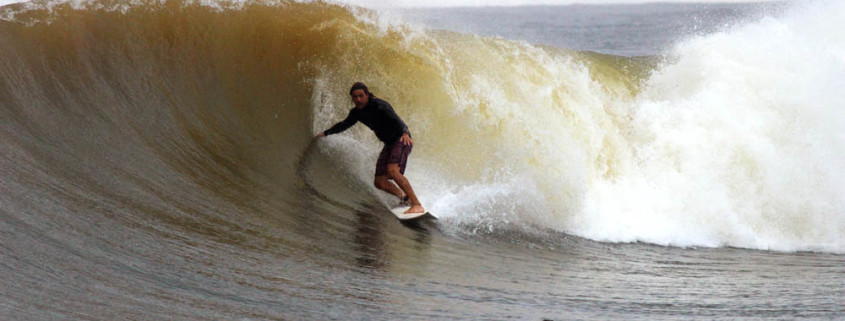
(380, 117)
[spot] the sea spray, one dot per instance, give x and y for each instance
(734, 141)
(738, 142)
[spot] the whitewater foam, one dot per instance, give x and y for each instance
(738, 142)
(735, 140)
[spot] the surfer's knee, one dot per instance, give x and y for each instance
(380, 182)
(394, 172)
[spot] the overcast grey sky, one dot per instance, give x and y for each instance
(475, 3)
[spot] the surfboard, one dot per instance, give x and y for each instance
(400, 214)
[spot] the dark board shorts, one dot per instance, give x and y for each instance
(396, 153)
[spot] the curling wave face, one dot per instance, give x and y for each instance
(157, 162)
(735, 140)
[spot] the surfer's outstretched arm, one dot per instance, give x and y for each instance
(343, 125)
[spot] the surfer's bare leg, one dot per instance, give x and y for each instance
(383, 183)
(396, 175)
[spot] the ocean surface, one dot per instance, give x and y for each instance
(626, 162)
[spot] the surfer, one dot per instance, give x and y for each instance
(380, 117)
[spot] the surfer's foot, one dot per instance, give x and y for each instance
(416, 209)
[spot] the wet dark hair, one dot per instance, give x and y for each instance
(360, 85)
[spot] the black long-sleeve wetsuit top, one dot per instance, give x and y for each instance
(379, 116)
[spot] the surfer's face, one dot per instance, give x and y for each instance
(360, 98)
